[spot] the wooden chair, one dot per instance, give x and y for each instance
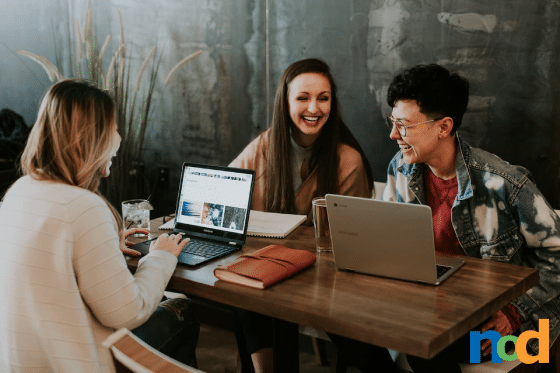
(131, 354)
(319, 339)
(379, 187)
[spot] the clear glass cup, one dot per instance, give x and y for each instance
(136, 213)
(321, 224)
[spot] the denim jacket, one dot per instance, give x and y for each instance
(498, 214)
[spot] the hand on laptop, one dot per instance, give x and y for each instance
(127, 233)
(170, 243)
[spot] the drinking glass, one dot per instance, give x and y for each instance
(136, 213)
(321, 224)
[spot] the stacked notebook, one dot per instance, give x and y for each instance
(273, 225)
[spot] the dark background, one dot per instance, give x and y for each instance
(508, 49)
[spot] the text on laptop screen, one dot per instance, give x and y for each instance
(215, 198)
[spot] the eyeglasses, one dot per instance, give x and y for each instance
(401, 127)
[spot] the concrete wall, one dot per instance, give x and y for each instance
(507, 49)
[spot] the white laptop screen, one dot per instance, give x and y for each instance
(214, 198)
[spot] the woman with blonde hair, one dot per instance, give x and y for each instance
(307, 152)
(64, 282)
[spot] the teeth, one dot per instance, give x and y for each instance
(311, 119)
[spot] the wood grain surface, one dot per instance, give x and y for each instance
(412, 318)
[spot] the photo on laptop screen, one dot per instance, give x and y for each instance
(214, 198)
(213, 206)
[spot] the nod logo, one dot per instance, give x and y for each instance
(499, 345)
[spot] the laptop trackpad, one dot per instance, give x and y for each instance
(190, 259)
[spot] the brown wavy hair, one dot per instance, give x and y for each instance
(71, 140)
(280, 194)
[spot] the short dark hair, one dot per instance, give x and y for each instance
(437, 92)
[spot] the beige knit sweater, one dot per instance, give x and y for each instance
(351, 174)
(64, 283)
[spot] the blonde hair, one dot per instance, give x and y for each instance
(71, 139)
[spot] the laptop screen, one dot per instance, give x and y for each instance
(214, 200)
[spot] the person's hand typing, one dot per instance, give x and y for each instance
(498, 322)
(170, 243)
(127, 233)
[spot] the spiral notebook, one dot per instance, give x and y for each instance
(264, 224)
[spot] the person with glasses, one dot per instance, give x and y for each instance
(401, 127)
(481, 205)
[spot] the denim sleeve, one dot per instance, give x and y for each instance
(540, 226)
(390, 192)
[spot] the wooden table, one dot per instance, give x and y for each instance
(412, 318)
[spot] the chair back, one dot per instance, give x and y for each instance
(378, 189)
(131, 354)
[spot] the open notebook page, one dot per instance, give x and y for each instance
(264, 224)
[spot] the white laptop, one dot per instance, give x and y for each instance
(388, 239)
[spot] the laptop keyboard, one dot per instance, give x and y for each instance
(441, 270)
(206, 249)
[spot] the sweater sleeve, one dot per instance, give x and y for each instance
(116, 297)
(353, 176)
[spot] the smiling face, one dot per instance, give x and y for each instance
(421, 143)
(309, 100)
(115, 144)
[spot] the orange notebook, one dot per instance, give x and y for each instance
(266, 266)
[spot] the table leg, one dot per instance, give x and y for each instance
(286, 348)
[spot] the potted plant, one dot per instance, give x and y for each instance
(131, 94)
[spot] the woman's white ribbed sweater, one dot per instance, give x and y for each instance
(64, 283)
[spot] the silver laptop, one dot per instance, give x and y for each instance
(388, 239)
(213, 206)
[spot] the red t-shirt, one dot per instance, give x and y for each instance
(440, 195)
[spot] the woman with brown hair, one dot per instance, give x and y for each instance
(307, 152)
(64, 282)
